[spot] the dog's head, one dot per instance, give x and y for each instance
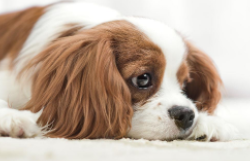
(133, 77)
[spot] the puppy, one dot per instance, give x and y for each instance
(77, 70)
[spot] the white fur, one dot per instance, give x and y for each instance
(150, 121)
(16, 123)
(214, 128)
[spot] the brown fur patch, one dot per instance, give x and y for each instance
(70, 30)
(15, 29)
(204, 87)
(84, 80)
(183, 75)
(136, 55)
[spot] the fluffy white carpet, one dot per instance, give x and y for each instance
(125, 149)
(128, 150)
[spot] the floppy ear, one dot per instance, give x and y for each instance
(81, 89)
(204, 87)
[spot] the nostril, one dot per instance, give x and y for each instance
(191, 118)
(181, 117)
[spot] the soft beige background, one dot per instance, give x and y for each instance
(219, 27)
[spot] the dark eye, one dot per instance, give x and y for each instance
(142, 81)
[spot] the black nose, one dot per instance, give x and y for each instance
(183, 116)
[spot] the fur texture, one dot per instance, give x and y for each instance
(75, 69)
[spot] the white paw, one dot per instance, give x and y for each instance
(212, 128)
(15, 123)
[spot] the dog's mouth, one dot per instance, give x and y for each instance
(187, 134)
(183, 135)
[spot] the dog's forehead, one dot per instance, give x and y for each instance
(170, 42)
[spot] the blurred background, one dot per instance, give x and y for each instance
(221, 28)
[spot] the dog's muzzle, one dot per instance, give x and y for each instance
(183, 116)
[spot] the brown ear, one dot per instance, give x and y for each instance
(81, 89)
(204, 88)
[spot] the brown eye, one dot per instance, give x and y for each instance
(142, 81)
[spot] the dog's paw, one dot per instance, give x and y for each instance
(212, 128)
(20, 124)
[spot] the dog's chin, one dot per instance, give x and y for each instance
(183, 135)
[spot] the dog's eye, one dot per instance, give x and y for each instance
(142, 81)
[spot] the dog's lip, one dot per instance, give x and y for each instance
(185, 134)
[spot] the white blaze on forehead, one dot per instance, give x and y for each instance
(166, 38)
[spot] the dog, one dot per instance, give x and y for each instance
(77, 70)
